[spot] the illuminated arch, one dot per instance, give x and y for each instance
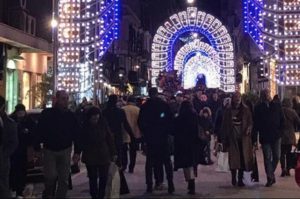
(201, 65)
(192, 48)
(205, 24)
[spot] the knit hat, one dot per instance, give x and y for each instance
(20, 107)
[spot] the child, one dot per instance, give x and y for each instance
(207, 126)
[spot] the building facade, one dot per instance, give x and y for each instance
(274, 27)
(24, 57)
(128, 61)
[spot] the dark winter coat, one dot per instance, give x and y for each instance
(218, 124)
(155, 123)
(214, 107)
(117, 122)
(199, 105)
(186, 141)
(291, 120)
(26, 128)
(57, 129)
(97, 145)
(206, 125)
(9, 137)
(231, 141)
(268, 121)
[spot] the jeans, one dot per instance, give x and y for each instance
(57, 171)
(285, 155)
(4, 175)
(271, 152)
(133, 147)
(95, 174)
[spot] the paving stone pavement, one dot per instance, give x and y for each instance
(209, 184)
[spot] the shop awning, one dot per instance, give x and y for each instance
(20, 39)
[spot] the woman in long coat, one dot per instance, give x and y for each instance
(98, 150)
(186, 140)
(237, 126)
(288, 137)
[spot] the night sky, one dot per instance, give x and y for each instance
(159, 10)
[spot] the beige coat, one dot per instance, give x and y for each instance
(231, 142)
(132, 114)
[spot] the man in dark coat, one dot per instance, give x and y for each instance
(117, 123)
(155, 121)
(57, 129)
(8, 145)
(269, 121)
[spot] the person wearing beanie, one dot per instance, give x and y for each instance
(9, 143)
(19, 160)
(98, 149)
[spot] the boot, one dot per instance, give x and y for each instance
(288, 172)
(171, 188)
(191, 187)
(240, 178)
(270, 182)
(283, 173)
(233, 177)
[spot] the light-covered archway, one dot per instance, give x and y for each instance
(192, 48)
(192, 20)
(201, 65)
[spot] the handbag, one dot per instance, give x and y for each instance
(222, 161)
(112, 189)
(297, 170)
(292, 158)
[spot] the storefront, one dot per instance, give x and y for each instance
(24, 60)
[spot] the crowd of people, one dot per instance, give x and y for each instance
(162, 126)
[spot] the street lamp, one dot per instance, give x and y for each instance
(190, 1)
(121, 75)
(54, 23)
(137, 67)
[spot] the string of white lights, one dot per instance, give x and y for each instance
(275, 28)
(86, 29)
(206, 25)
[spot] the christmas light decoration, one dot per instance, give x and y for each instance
(201, 65)
(86, 29)
(206, 25)
(275, 28)
(192, 48)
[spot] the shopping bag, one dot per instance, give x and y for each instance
(292, 159)
(222, 162)
(297, 170)
(112, 189)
